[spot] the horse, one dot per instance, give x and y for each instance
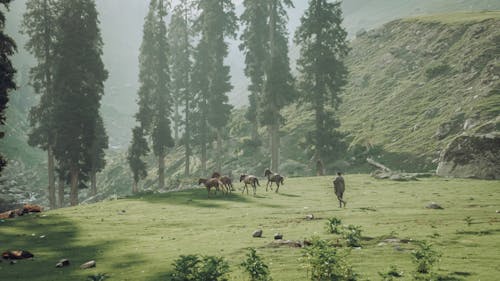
(273, 177)
(226, 181)
(212, 182)
(251, 180)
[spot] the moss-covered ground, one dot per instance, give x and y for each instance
(138, 238)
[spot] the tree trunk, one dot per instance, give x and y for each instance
(219, 152)
(61, 192)
(135, 187)
(318, 144)
(187, 141)
(176, 122)
(203, 157)
(161, 171)
(73, 196)
(93, 182)
(52, 180)
(275, 147)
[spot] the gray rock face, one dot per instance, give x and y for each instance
(471, 156)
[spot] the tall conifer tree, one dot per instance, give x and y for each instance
(155, 100)
(323, 48)
(78, 87)
(96, 152)
(279, 82)
(216, 22)
(7, 71)
(39, 23)
(138, 149)
(255, 45)
(180, 33)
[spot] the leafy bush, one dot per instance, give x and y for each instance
(390, 274)
(334, 225)
(254, 266)
(194, 268)
(327, 263)
(425, 257)
(353, 235)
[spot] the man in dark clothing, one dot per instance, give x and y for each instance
(339, 186)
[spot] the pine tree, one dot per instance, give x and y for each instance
(255, 45)
(39, 23)
(7, 71)
(323, 49)
(96, 153)
(78, 87)
(216, 21)
(180, 33)
(279, 82)
(155, 101)
(138, 149)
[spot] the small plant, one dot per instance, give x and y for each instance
(256, 267)
(391, 274)
(425, 257)
(468, 221)
(97, 277)
(353, 235)
(334, 225)
(194, 268)
(327, 263)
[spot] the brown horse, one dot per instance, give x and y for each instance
(273, 177)
(251, 180)
(210, 183)
(226, 181)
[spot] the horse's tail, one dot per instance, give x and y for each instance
(257, 181)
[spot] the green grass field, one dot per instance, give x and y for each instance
(138, 238)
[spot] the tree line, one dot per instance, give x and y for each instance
(184, 83)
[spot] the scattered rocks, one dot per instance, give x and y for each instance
(17, 255)
(310, 217)
(288, 243)
(434, 206)
(278, 236)
(257, 233)
(88, 264)
(63, 263)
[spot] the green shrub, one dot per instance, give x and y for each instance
(425, 257)
(391, 274)
(325, 262)
(194, 268)
(334, 225)
(256, 267)
(353, 235)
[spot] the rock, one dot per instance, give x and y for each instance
(17, 255)
(278, 236)
(310, 217)
(434, 206)
(62, 263)
(450, 127)
(257, 233)
(471, 156)
(88, 264)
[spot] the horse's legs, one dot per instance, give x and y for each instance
(278, 186)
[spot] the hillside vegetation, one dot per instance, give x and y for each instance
(138, 238)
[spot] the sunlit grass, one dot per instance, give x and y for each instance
(139, 238)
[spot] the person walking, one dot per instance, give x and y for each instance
(339, 187)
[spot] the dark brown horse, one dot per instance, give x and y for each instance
(273, 177)
(251, 180)
(226, 181)
(211, 183)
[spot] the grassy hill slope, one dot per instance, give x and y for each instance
(413, 76)
(138, 238)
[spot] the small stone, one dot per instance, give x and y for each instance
(278, 236)
(434, 206)
(88, 264)
(498, 211)
(310, 217)
(257, 233)
(62, 263)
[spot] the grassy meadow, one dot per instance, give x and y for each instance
(138, 238)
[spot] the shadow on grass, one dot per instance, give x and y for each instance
(288, 195)
(199, 198)
(479, 232)
(50, 238)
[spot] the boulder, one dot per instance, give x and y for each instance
(257, 233)
(278, 236)
(17, 255)
(310, 217)
(471, 156)
(88, 264)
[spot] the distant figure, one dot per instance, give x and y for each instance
(339, 187)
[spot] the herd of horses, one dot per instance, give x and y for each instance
(223, 183)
